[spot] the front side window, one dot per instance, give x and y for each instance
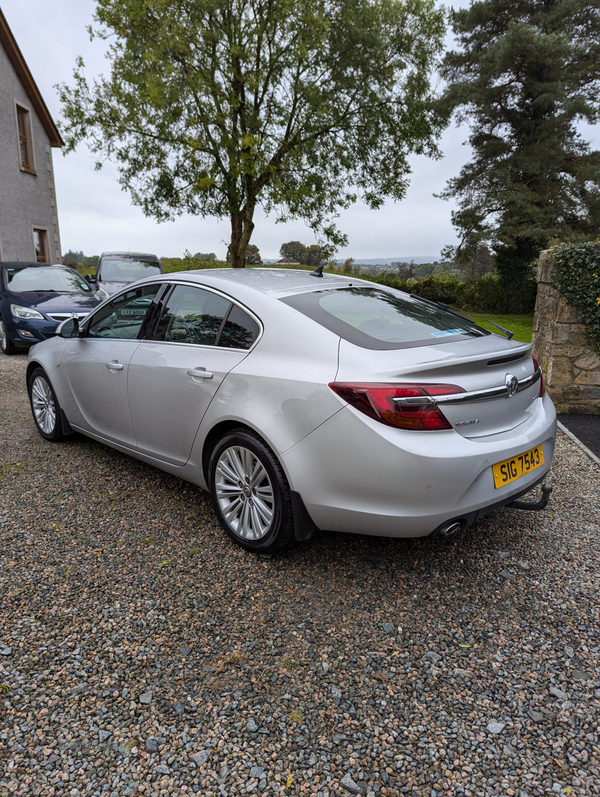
(124, 316)
(53, 279)
(192, 315)
(41, 249)
(24, 139)
(376, 319)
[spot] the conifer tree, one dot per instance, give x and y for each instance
(527, 72)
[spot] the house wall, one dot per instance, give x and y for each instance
(570, 364)
(27, 201)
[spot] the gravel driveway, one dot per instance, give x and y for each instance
(142, 653)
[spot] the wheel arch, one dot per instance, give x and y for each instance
(304, 526)
(33, 365)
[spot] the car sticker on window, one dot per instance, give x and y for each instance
(443, 332)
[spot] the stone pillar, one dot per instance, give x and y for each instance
(570, 364)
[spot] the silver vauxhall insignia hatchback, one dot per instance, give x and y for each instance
(303, 401)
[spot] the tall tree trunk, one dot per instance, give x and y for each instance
(242, 228)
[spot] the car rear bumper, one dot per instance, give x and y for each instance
(357, 475)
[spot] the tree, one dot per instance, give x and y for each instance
(472, 260)
(251, 257)
(294, 250)
(204, 256)
(214, 107)
(527, 72)
(316, 254)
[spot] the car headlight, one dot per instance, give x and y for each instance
(25, 313)
(102, 293)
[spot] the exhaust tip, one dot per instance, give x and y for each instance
(450, 528)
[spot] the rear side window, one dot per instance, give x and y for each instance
(240, 330)
(192, 315)
(375, 319)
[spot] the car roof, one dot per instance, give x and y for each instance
(129, 254)
(24, 264)
(273, 281)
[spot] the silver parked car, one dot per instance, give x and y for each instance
(303, 401)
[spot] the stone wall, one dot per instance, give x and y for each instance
(570, 364)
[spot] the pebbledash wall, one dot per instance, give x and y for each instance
(27, 196)
(570, 364)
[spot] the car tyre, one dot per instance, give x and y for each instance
(250, 492)
(6, 344)
(45, 407)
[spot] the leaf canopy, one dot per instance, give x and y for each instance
(213, 106)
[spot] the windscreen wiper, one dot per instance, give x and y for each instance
(509, 334)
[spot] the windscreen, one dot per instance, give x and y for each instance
(376, 319)
(45, 280)
(115, 269)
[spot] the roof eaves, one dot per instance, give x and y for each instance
(19, 64)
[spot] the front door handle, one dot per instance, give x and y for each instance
(200, 373)
(114, 366)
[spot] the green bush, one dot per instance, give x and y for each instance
(171, 264)
(576, 276)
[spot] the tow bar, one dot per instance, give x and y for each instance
(541, 504)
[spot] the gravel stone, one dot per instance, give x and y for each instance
(496, 727)
(240, 641)
(5, 650)
(146, 698)
(350, 785)
(558, 693)
(389, 628)
(200, 757)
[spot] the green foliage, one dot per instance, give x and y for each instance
(251, 256)
(190, 263)
(483, 295)
(214, 107)
(526, 74)
(204, 256)
(576, 276)
(294, 250)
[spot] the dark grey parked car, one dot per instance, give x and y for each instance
(116, 270)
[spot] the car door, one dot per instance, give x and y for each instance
(200, 336)
(95, 367)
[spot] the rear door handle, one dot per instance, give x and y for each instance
(200, 373)
(114, 366)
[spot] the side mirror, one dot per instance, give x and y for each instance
(89, 278)
(68, 328)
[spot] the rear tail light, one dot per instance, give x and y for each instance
(406, 406)
(536, 367)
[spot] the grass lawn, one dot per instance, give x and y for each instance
(521, 325)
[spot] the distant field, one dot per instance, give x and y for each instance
(521, 325)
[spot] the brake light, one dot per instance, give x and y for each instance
(405, 406)
(536, 365)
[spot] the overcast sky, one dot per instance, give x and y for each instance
(95, 214)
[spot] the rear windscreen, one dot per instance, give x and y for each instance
(376, 319)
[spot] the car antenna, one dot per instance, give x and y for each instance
(318, 272)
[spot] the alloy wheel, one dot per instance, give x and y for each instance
(3, 336)
(42, 403)
(244, 493)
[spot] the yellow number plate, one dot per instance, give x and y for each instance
(512, 469)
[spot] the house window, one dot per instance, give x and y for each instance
(41, 249)
(24, 139)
